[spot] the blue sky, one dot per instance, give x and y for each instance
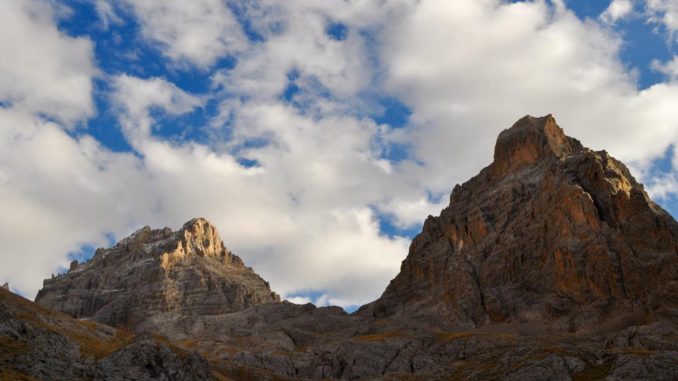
(317, 136)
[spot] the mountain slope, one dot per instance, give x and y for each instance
(158, 275)
(40, 344)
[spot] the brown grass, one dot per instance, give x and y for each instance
(85, 333)
(463, 335)
(381, 336)
(91, 345)
(180, 352)
(640, 352)
(16, 299)
(593, 372)
(450, 336)
(13, 375)
(188, 343)
(219, 376)
(11, 347)
(486, 367)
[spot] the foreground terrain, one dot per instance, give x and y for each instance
(551, 264)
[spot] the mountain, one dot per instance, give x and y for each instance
(552, 234)
(551, 264)
(157, 276)
(40, 344)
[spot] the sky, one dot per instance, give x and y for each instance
(315, 135)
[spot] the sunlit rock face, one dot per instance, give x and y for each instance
(157, 275)
(551, 232)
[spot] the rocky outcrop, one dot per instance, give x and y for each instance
(550, 233)
(155, 276)
(41, 344)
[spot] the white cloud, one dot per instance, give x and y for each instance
(107, 13)
(197, 32)
(664, 12)
(57, 194)
(300, 43)
(134, 97)
(42, 70)
(663, 186)
(617, 10)
(299, 300)
(669, 68)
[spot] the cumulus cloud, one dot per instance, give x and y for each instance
(669, 68)
(197, 32)
(40, 63)
(107, 13)
(663, 186)
(134, 97)
(300, 44)
(57, 193)
(664, 12)
(617, 10)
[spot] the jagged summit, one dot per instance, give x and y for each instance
(158, 273)
(550, 233)
(530, 140)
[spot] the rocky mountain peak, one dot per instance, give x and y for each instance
(551, 233)
(201, 238)
(157, 274)
(531, 140)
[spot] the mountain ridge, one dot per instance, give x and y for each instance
(551, 264)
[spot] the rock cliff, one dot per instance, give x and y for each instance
(550, 233)
(157, 275)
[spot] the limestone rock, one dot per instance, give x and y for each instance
(157, 272)
(550, 233)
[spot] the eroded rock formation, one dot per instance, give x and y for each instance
(158, 275)
(551, 233)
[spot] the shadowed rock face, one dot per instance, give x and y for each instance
(550, 232)
(155, 275)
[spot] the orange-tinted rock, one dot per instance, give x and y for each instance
(550, 232)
